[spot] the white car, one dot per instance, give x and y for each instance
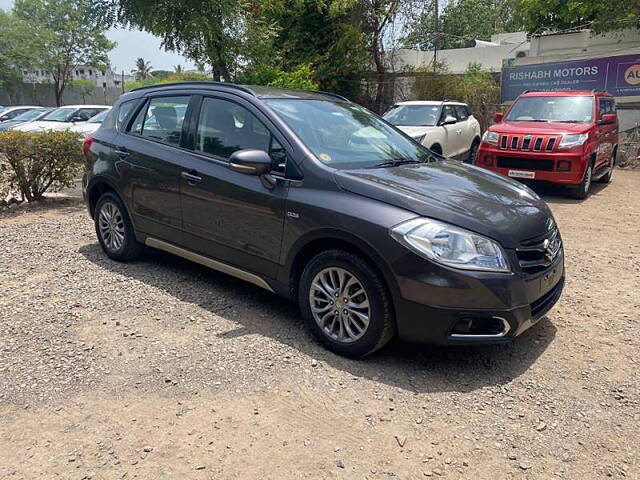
(89, 127)
(9, 113)
(63, 118)
(446, 128)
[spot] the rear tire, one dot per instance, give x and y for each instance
(115, 230)
(581, 191)
(473, 152)
(337, 291)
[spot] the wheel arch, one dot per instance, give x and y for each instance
(327, 239)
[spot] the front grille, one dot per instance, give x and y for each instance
(526, 163)
(537, 255)
(536, 143)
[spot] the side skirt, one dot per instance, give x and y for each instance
(208, 262)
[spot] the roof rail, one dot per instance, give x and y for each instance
(197, 82)
(330, 94)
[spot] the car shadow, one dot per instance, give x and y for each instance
(557, 194)
(417, 368)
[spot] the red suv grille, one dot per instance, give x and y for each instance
(535, 143)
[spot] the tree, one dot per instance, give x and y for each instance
(142, 70)
(225, 34)
(463, 20)
(600, 15)
(178, 68)
(63, 35)
(85, 86)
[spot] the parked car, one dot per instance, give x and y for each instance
(63, 118)
(26, 117)
(446, 128)
(91, 125)
(568, 138)
(9, 113)
(312, 197)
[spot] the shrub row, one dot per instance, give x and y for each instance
(33, 163)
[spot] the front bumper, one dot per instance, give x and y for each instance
(488, 158)
(516, 300)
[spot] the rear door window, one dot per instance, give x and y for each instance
(161, 119)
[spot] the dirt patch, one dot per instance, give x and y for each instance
(164, 369)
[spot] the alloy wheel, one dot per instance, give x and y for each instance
(339, 304)
(111, 225)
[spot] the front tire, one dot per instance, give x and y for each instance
(114, 229)
(581, 191)
(345, 304)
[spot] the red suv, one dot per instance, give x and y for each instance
(568, 138)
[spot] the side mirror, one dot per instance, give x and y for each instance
(498, 116)
(608, 118)
(250, 162)
(449, 120)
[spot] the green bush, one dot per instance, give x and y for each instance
(37, 162)
(302, 77)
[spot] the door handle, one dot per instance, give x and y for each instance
(122, 153)
(191, 178)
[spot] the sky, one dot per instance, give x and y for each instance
(131, 45)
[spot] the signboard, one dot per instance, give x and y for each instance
(619, 75)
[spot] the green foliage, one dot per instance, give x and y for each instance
(476, 87)
(464, 20)
(38, 162)
(61, 34)
(142, 70)
(601, 15)
(171, 78)
(302, 77)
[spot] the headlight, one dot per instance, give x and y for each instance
(490, 137)
(419, 138)
(451, 246)
(573, 140)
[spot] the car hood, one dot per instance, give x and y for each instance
(416, 131)
(540, 128)
(463, 195)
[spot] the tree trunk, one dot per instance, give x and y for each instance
(380, 70)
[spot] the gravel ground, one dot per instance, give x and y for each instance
(164, 369)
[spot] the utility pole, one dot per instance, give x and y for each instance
(437, 35)
(122, 83)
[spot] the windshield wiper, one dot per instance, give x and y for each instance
(395, 163)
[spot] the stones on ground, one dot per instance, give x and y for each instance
(339, 464)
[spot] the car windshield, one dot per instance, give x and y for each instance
(552, 109)
(29, 115)
(413, 115)
(99, 118)
(59, 115)
(344, 135)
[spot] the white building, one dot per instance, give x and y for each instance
(490, 55)
(102, 77)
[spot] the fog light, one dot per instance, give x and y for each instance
(488, 160)
(563, 165)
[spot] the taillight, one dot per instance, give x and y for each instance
(87, 145)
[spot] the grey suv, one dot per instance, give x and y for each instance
(312, 197)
